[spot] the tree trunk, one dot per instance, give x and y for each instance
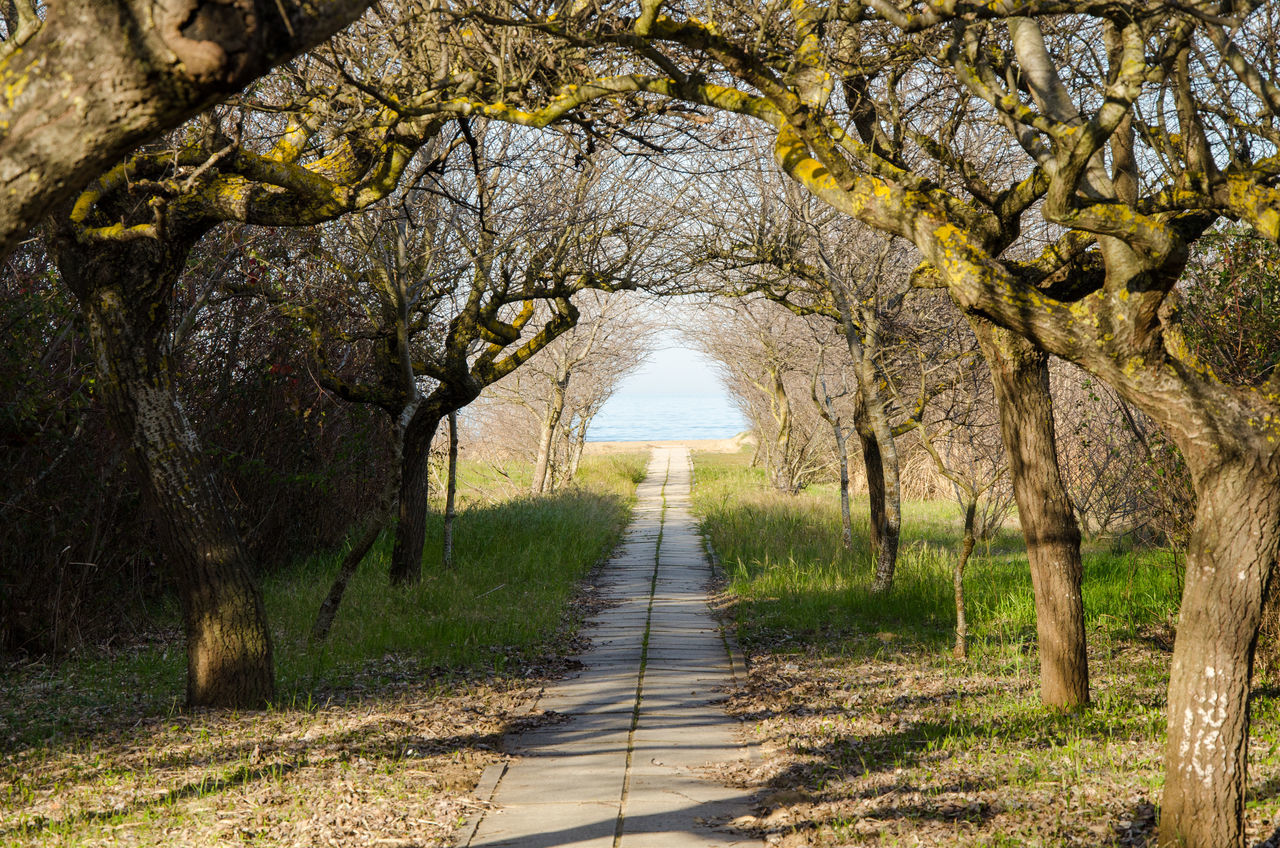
(880, 457)
(329, 609)
(132, 71)
(1020, 375)
(783, 478)
(415, 468)
(575, 452)
(229, 661)
(874, 469)
(846, 521)
(550, 425)
(451, 490)
(961, 649)
(1233, 545)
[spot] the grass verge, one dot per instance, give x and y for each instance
(873, 735)
(378, 736)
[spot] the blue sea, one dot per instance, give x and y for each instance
(665, 417)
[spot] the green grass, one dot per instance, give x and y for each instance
(517, 562)
(789, 572)
(516, 566)
(408, 700)
(889, 740)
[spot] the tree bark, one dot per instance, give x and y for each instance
(550, 425)
(415, 468)
(961, 649)
(1020, 375)
(451, 490)
(880, 458)
(97, 77)
(1233, 545)
(874, 470)
(229, 659)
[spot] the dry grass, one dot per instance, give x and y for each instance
(872, 735)
(394, 769)
(382, 748)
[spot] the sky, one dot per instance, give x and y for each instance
(674, 369)
(674, 394)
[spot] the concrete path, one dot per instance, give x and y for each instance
(622, 769)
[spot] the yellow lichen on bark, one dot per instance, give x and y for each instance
(1256, 204)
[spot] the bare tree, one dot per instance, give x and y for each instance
(122, 260)
(778, 242)
(768, 357)
(832, 390)
(509, 229)
(560, 391)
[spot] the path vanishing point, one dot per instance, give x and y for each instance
(623, 768)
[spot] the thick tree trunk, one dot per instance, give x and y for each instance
(1233, 545)
(415, 468)
(96, 78)
(1020, 375)
(229, 662)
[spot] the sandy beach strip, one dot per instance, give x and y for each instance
(730, 445)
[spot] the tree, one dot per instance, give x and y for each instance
(836, 85)
(766, 355)
(88, 80)
(229, 659)
(523, 249)
(558, 393)
(122, 260)
(456, 284)
(959, 430)
(831, 405)
(786, 246)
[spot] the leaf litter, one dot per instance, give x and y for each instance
(871, 740)
(389, 759)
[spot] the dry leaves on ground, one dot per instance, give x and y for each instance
(892, 746)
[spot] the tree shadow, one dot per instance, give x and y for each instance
(240, 776)
(897, 770)
(179, 756)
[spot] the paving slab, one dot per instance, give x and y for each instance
(642, 717)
